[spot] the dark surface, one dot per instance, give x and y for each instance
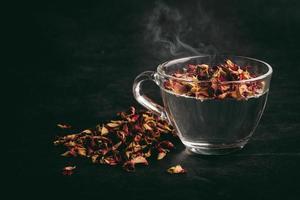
(76, 63)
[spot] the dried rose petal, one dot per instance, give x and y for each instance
(116, 146)
(161, 155)
(94, 158)
(179, 88)
(137, 138)
(112, 125)
(81, 151)
(224, 95)
(70, 137)
(87, 131)
(147, 127)
(129, 166)
(104, 130)
(140, 160)
(110, 160)
(70, 153)
(231, 65)
(166, 144)
(133, 118)
(64, 126)
(69, 170)
(176, 170)
(148, 153)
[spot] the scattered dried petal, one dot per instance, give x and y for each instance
(148, 153)
(140, 160)
(176, 170)
(104, 130)
(166, 144)
(110, 161)
(129, 166)
(116, 146)
(94, 158)
(64, 126)
(87, 131)
(70, 137)
(69, 170)
(161, 155)
(70, 153)
(112, 125)
(147, 127)
(81, 151)
(126, 141)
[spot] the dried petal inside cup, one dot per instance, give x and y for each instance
(214, 82)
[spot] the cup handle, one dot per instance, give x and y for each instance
(143, 99)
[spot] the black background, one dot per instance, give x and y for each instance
(75, 62)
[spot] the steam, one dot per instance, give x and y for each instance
(166, 28)
(178, 47)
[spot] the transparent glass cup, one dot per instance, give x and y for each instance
(209, 126)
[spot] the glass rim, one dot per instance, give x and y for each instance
(162, 72)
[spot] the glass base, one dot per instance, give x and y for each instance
(214, 149)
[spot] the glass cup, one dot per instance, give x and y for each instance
(208, 126)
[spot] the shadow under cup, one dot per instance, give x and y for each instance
(208, 126)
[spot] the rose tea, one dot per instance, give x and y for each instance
(213, 102)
